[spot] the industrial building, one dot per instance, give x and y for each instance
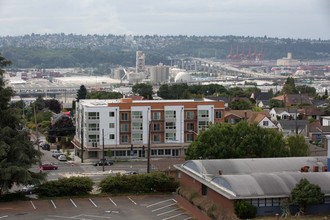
(125, 126)
(262, 182)
(159, 74)
(288, 61)
(140, 62)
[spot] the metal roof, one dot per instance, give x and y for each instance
(257, 178)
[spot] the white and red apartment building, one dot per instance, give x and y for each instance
(124, 126)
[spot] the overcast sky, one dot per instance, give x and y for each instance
(274, 18)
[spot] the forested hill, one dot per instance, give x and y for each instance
(61, 50)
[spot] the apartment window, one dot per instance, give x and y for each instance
(112, 136)
(111, 125)
(124, 116)
(136, 137)
(203, 113)
(124, 139)
(170, 136)
(93, 127)
(265, 123)
(93, 138)
(93, 115)
(111, 114)
(137, 115)
(218, 114)
(190, 115)
(160, 152)
(170, 114)
(202, 125)
(124, 127)
(156, 116)
(168, 152)
(120, 153)
(137, 126)
(156, 127)
(170, 125)
(92, 154)
(153, 152)
(190, 126)
(156, 138)
(190, 137)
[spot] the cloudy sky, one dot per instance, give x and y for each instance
(274, 18)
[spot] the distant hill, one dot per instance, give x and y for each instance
(60, 50)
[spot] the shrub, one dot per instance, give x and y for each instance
(73, 186)
(12, 196)
(244, 210)
(138, 183)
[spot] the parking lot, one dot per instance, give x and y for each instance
(162, 207)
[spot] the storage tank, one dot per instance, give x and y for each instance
(159, 74)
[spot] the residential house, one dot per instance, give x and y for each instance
(235, 116)
(284, 113)
(291, 127)
(294, 99)
(261, 119)
(311, 112)
(262, 99)
(316, 132)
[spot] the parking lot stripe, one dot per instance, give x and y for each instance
(53, 204)
(93, 202)
(95, 216)
(173, 216)
(159, 203)
(73, 203)
(187, 218)
(33, 205)
(163, 207)
(163, 213)
(131, 200)
(5, 216)
(112, 202)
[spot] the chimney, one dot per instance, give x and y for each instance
(328, 155)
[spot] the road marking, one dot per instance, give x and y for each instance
(173, 216)
(5, 216)
(73, 203)
(73, 217)
(163, 207)
(112, 202)
(97, 216)
(163, 213)
(93, 202)
(159, 203)
(33, 205)
(111, 211)
(131, 200)
(53, 204)
(187, 218)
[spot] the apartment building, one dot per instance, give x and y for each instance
(125, 126)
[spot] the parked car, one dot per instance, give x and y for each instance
(29, 189)
(62, 157)
(45, 146)
(106, 162)
(48, 166)
(56, 153)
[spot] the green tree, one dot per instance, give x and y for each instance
(241, 140)
(104, 95)
(304, 194)
(310, 91)
(297, 146)
(143, 89)
(240, 104)
(175, 91)
(17, 153)
(81, 93)
(53, 105)
(289, 87)
(273, 103)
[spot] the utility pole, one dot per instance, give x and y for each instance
(103, 150)
(82, 136)
(148, 153)
(37, 132)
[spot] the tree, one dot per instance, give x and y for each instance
(240, 104)
(304, 194)
(289, 87)
(104, 95)
(53, 105)
(17, 153)
(241, 140)
(297, 146)
(81, 93)
(143, 89)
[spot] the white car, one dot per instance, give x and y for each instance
(62, 158)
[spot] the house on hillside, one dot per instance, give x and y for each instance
(311, 112)
(235, 116)
(284, 113)
(262, 99)
(291, 127)
(294, 99)
(261, 119)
